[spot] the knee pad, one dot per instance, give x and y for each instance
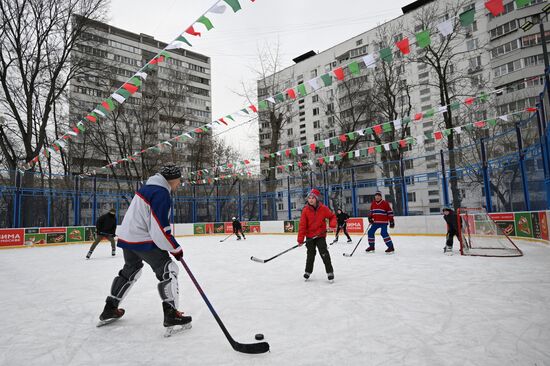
(168, 286)
(121, 286)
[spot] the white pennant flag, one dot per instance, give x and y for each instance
(217, 9)
(387, 147)
(167, 143)
(397, 124)
(357, 153)
(142, 75)
(299, 150)
(442, 109)
(458, 129)
(119, 98)
(331, 158)
(445, 27)
(313, 83)
(72, 133)
(361, 132)
(327, 142)
(310, 162)
(369, 61)
(278, 153)
(504, 117)
(271, 99)
(99, 112)
(188, 135)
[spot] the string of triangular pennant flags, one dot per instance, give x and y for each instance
(419, 140)
(132, 85)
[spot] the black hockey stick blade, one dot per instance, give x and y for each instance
(359, 242)
(250, 348)
(257, 259)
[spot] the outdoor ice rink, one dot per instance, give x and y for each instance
(417, 307)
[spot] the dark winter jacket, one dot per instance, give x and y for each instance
(342, 217)
(451, 221)
(106, 224)
(312, 221)
(237, 226)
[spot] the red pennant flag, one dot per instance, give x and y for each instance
(76, 130)
(377, 129)
(469, 101)
(266, 156)
(291, 93)
(246, 162)
(479, 124)
(199, 173)
(287, 152)
(343, 138)
(156, 60)
(192, 31)
(418, 116)
(312, 147)
(35, 160)
(222, 121)
(66, 137)
(91, 118)
(106, 105)
(321, 161)
(131, 88)
(253, 108)
(403, 143)
(198, 130)
(229, 165)
(438, 135)
(531, 109)
(339, 73)
(300, 164)
(55, 147)
(403, 46)
(496, 7)
(342, 154)
(371, 150)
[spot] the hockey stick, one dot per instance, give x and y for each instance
(252, 348)
(227, 237)
(359, 242)
(283, 252)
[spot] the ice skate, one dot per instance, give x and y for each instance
(113, 252)
(369, 250)
(335, 240)
(306, 275)
(110, 314)
(448, 250)
(390, 251)
(238, 238)
(175, 322)
(349, 240)
(88, 255)
(330, 277)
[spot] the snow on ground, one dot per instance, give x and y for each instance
(417, 307)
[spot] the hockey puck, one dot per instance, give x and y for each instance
(259, 336)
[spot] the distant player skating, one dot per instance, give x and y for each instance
(238, 228)
(145, 235)
(313, 228)
(105, 229)
(342, 219)
(379, 216)
(452, 229)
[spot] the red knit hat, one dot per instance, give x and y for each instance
(314, 192)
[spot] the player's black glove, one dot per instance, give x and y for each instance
(177, 255)
(371, 220)
(392, 224)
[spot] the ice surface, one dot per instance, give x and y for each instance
(417, 307)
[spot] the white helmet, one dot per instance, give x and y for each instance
(233, 218)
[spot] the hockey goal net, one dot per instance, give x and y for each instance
(480, 236)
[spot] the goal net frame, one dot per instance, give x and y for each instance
(506, 247)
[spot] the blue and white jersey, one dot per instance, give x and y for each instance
(147, 222)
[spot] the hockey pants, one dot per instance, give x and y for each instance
(311, 246)
(383, 231)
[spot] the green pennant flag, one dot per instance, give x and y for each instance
(350, 155)
(207, 23)
(294, 152)
(230, 117)
(135, 81)
(184, 40)
(234, 4)
(395, 145)
(306, 149)
(410, 140)
(110, 103)
(429, 113)
(103, 109)
(321, 145)
(522, 3)
(125, 93)
(447, 132)
(369, 131)
(262, 105)
(364, 152)
(483, 97)
(335, 141)
(166, 54)
(351, 136)
(327, 79)
(386, 54)
(492, 122)
(244, 111)
(302, 90)
(455, 105)
(378, 148)
(406, 120)
(279, 97)
(469, 127)
(423, 39)
(354, 68)
(272, 156)
(338, 157)
(386, 127)
(467, 17)
(81, 127)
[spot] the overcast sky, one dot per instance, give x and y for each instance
(297, 25)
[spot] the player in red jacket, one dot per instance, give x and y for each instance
(379, 216)
(313, 225)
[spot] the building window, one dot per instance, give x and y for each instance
(409, 164)
(411, 197)
(505, 48)
(289, 132)
(423, 75)
(315, 111)
(471, 44)
(433, 193)
(504, 29)
(359, 42)
(280, 206)
(317, 137)
(315, 98)
(314, 73)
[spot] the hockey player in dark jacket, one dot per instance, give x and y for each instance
(452, 228)
(105, 229)
(342, 219)
(238, 227)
